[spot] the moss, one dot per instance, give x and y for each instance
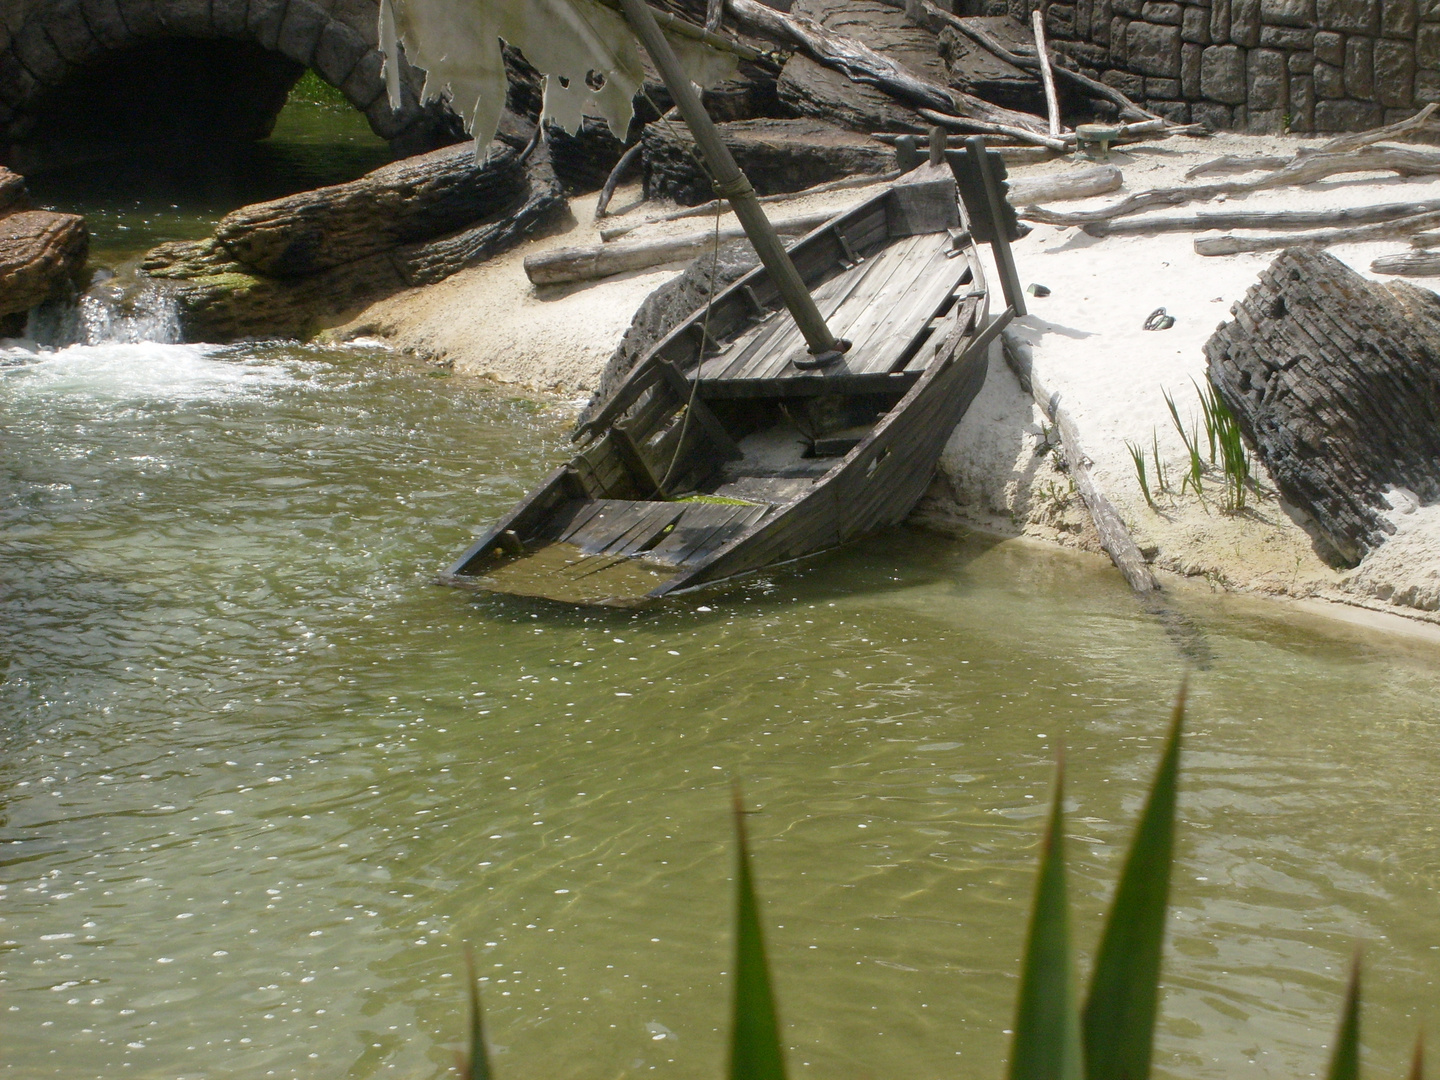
(314, 90)
(230, 281)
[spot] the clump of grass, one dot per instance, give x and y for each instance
(1191, 439)
(1137, 455)
(1223, 431)
(316, 91)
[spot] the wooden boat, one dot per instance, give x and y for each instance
(725, 452)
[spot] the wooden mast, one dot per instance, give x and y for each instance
(731, 184)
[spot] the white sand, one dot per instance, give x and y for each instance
(1087, 344)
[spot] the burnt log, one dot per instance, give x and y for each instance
(777, 155)
(821, 93)
(1336, 381)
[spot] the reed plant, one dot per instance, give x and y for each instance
(1137, 455)
(1191, 439)
(1109, 1034)
(1223, 431)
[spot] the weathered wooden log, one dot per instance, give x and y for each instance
(1408, 264)
(863, 64)
(614, 232)
(1382, 230)
(566, 265)
(982, 127)
(407, 202)
(1072, 185)
(1300, 170)
(1262, 219)
(1334, 380)
(1231, 163)
(1115, 538)
(822, 93)
(1047, 76)
(1425, 240)
(627, 161)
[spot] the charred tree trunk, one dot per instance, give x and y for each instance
(1336, 380)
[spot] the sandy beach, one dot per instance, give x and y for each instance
(1001, 471)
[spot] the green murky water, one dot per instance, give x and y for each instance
(262, 781)
(132, 205)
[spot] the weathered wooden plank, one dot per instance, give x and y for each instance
(893, 335)
(808, 384)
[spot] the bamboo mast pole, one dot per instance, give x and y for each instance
(731, 184)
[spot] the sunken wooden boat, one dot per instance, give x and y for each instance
(728, 450)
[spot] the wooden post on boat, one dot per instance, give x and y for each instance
(731, 184)
(1004, 260)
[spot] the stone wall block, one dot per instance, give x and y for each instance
(228, 18)
(1212, 114)
(68, 31)
(1329, 81)
(1427, 47)
(1429, 10)
(1100, 29)
(1347, 115)
(1394, 73)
(187, 18)
(1265, 121)
(1352, 16)
(1153, 50)
(1220, 22)
(300, 30)
(1162, 89)
(103, 18)
(1190, 55)
(1092, 56)
(16, 82)
(1287, 37)
(364, 84)
(1132, 86)
(142, 18)
(338, 51)
(1267, 80)
(1245, 22)
(1427, 87)
(1301, 63)
(1129, 8)
(1119, 32)
(1398, 18)
(1060, 21)
(1302, 103)
(1330, 47)
(1360, 68)
(1222, 74)
(1287, 12)
(1084, 9)
(263, 20)
(1177, 112)
(1195, 26)
(35, 50)
(1020, 11)
(1156, 11)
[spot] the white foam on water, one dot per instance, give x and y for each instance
(137, 371)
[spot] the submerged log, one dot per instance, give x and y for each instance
(1335, 380)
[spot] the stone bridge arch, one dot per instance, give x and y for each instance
(80, 77)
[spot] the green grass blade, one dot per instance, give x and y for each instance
(1345, 1058)
(755, 1052)
(477, 1066)
(1124, 996)
(1046, 1044)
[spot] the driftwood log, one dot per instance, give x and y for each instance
(1047, 74)
(606, 260)
(1262, 219)
(1409, 264)
(1300, 170)
(1081, 184)
(1336, 382)
(1381, 230)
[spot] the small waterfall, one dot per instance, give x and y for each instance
(124, 309)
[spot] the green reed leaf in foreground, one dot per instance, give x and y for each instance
(1046, 1045)
(755, 1052)
(1125, 985)
(1345, 1059)
(1417, 1059)
(477, 1066)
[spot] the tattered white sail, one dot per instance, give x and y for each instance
(585, 51)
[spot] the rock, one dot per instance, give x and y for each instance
(412, 200)
(42, 257)
(777, 156)
(13, 195)
(1334, 379)
(820, 93)
(222, 299)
